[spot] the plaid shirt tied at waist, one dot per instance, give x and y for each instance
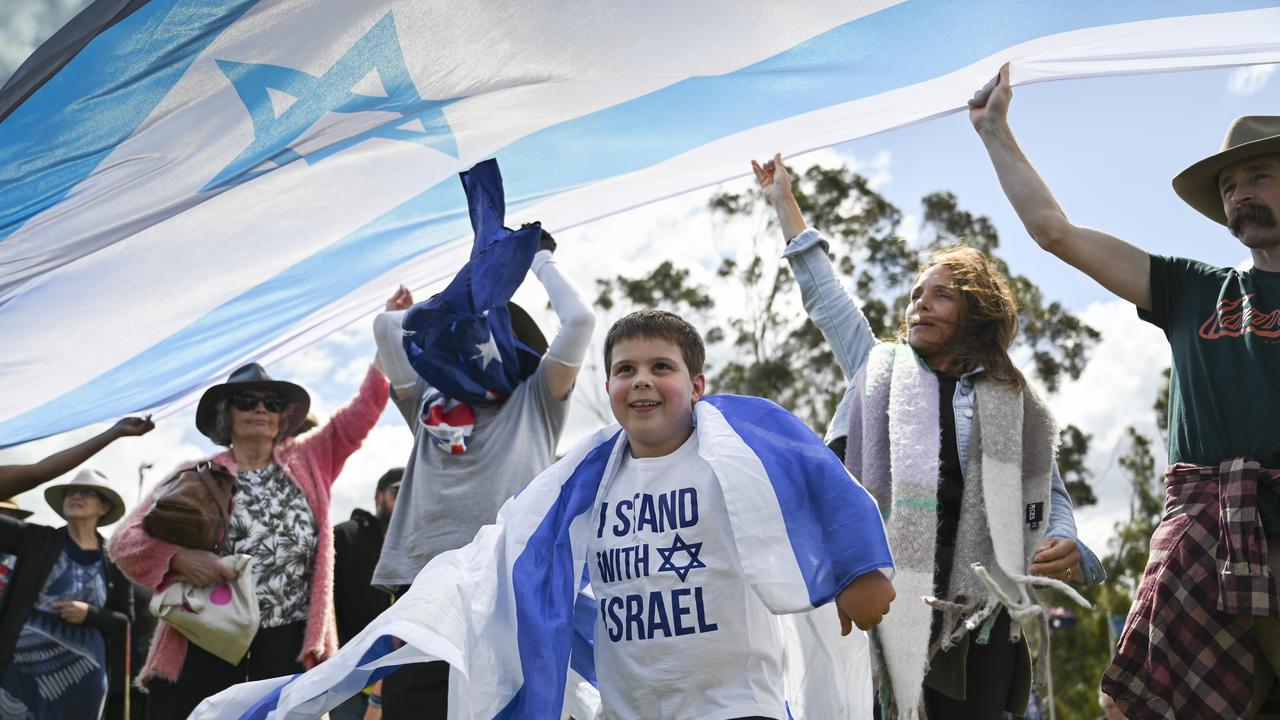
(1245, 583)
(1188, 651)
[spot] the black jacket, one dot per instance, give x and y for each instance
(38, 548)
(356, 546)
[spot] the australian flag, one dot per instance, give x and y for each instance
(460, 341)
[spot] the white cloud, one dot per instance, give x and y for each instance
(1117, 390)
(387, 446)
(1250, 79)
(28, 23)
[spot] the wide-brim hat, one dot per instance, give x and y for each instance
(94, 480)
(11, 505)
(251, 377)
(1248, 136)
(526, 330)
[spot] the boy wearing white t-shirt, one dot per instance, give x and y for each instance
(680, 633)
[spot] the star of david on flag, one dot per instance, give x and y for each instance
(691, 552)
(461, 340)
(284, 104)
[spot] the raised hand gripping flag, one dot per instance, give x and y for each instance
(506, 612)
(188, 185)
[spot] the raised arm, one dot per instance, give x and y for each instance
(17, 479)
(332, 444)
(1113, 263)
(826, 301)
(565, 354)
(388, 335)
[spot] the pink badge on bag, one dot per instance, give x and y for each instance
(221, 595)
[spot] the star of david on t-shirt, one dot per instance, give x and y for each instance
(678, 545)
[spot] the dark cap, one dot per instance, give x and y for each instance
(390, 479)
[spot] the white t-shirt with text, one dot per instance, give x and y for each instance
(680, 634)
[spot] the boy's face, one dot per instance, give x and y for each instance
(652, 395)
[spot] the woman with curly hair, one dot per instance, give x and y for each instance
(958, 450)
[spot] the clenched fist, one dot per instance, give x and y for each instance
(865, 601)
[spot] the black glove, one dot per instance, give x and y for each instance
(546, 242)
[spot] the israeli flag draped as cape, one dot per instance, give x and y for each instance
(190, 185)
(502, 612)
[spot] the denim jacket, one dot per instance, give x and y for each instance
(842, 323)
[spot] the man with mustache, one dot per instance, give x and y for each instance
(1202, 639)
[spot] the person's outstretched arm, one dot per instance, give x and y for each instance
(577, 321)
(1113, 263)
(825, 299)
(17, 479)
(388, 335)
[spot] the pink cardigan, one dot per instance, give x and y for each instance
(313, 463)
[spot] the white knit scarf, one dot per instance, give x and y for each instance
(893, 448)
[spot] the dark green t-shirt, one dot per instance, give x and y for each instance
(1224, 395)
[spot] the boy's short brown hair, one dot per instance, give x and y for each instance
(662, 325)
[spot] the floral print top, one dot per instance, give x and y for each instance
(273, 524)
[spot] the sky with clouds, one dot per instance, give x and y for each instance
(1108, 148)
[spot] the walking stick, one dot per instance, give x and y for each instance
(128, 656)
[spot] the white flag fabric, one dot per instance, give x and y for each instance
(506, 612)
(209, 182)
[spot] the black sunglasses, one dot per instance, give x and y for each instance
(245, 403)
(86, 492)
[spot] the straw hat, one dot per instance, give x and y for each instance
(94, 480)
(10, 507)
(1248, 136)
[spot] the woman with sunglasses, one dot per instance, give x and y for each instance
(66, 609)
(280, 518)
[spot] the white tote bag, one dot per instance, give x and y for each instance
(222, 619)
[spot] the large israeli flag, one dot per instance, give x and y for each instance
(207, 182)
(506, 612)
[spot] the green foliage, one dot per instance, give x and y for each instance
(666, 286)
(1162, 405)
(776, 353)
(1081, 655)
(1073, 448)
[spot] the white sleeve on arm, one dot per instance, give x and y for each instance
(388, 333)
(576, 319)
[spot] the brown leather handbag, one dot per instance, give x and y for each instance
(193, 507)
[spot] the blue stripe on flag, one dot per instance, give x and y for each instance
(381, 647)
(268, 702)
(583, 655)
(187, 357)
(878, 53)
(74, 121)
(545, 579)
(834, 525)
